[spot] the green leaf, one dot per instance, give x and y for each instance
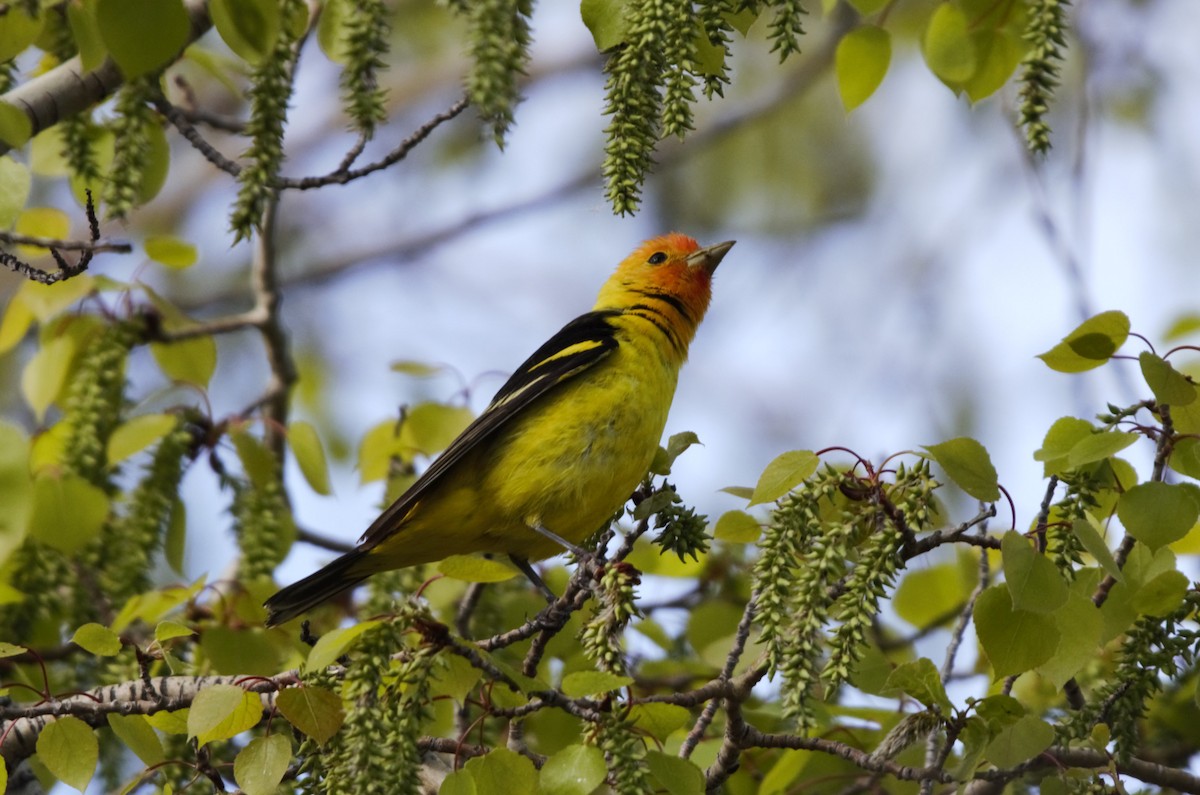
(249, 27)
(1033, 580)
(998, 53)
(1162, 594)
(429, 428)
(219, 712)
(1025, 739)
(258, 462)
(786, 770)
(17, 31)
(861, 62)
(785, 473)
(1169, 385)
(68, 512)
(174, 722)
(176, 253)
(607, 21)
(591, 683)
(259, 767)
(968, 464)
(1090, 345)
(455, 677)
(1064, 434)
(737, 527)
(138, 433)
(1098, 446)
(1014, 640)
(15, 183)
(97, 639)
(334, 644)
(1158, 513)
(664, 459)
(248, 652)
(175, 543)
(69, 750)
(473, 568)
(15, 127)
(1095, 545)
(947, 46)
(189, 361)
(974, 737)
(415, 369)
(1080, 625)
(459, 782)
(169, 630)
(502, 771)
(574, 770)
(81, 16)
(920, 679)
(930, 595)
(310, 455)
(677, 776)
(142, 35)
(44, 377)
(659, 720)
(135, 731)
(314, 710)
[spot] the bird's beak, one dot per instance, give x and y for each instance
(709, 258)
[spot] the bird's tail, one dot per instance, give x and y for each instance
(323, 584)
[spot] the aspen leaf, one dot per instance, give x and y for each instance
(502, 771)
(659, 720)
(606, 20)
(921, 680)
(968, 464)
(15, 183)
(1098, 446)
(18, 30)
(590, 683)
(142, 35)
(138, 433)
(861, 62)
(171, 251)
(219, 712)
(1024, 739)
(998, 54)
(15, 126)
(315, 711)
(69, 749)
(1033, 580)
(334, 644)
(947, 46)
(1014, 640)
(43, 378)
(310, 455)
(1091, 344)
(785, 473)
(249, 27)
(259, 767)
(677, 776)
(574, 770)
(1158, 513)
(1168, 384)
(474, 568)
(97, 639)
(135, 731)
(737, 527)
(68, 512)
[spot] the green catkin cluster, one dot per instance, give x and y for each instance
(131, 145)
(624, 752)
(601, 634)
(498, 32)
(786, 28)
(270, 92)
(681, 529)
(94, 402)
(376, 749)
(263, 525)
(1045, 36)
(78, 131)
(1156, 649)
(1063, 546)
(869, 580)
(130, 541)
(713, 17)
(366, 32)
(679, 55)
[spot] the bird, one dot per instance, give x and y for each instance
(562, 445)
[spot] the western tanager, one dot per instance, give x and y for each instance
(563, 443)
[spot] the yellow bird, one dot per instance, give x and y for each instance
(562, 445)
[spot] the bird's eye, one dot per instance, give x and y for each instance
(657, 258)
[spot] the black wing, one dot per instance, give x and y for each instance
(577, 347)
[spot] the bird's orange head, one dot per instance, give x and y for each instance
(673, 270)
